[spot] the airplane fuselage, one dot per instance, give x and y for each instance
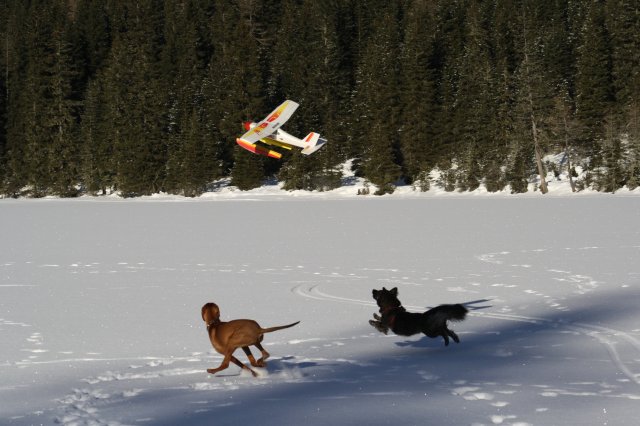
(278, 136)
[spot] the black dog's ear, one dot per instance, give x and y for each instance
(375, 294)
(394, 291)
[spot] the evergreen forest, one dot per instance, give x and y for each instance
(145, 96)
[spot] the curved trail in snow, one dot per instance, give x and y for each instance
(608, 337)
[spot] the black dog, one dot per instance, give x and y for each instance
(433, 323)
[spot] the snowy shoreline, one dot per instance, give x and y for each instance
(275, 192)
(351, 186)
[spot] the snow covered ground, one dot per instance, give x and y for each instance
(100, 309)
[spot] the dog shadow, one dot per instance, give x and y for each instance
(424, 343)
(285, 366)
(274, 366)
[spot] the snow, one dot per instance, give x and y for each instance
(100, 308)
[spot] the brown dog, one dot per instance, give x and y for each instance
(226, 337)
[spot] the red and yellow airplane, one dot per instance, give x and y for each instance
(268, 132)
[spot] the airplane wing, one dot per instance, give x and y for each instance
(272, 123)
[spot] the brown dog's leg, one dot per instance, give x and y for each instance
(237, 362)
(252, 360)
(262, 362)
(225, 364)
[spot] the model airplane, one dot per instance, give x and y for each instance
(268, 132)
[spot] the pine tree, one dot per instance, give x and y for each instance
(98, 165)
(64, 154)
(192, 161)
(611, 175)
(535, 85)
(199, 165)
(305, 62)
(4, 93)
(234, 88)
(27, 151)
(137, 100)
(449, 44)
(92, 34)
(563, 128)
(594, 91)
(43, 116)
(15, 45)
(474, 108)
(520, 166)
(633, 180)
(623, 22)
(93, 27)
(418, 94)
(376, 103)
(506, 32)
(247, 172)
(623, 25)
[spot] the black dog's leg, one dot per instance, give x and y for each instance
(446, 339)
(379, 326)
(453, 335)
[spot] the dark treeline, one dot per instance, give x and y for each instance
(143, 96)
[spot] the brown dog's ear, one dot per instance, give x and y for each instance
(205, 308)
(394, 291)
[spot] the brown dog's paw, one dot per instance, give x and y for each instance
(245, 373)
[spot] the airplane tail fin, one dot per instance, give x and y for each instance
(313, 143)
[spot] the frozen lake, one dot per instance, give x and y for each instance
(100, 310)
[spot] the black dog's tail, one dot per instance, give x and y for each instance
(455, 312)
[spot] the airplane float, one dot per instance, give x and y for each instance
(268, 132)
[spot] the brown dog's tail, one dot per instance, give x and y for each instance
(280, 327)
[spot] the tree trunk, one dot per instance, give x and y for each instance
(534, 131)
(568, 154)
